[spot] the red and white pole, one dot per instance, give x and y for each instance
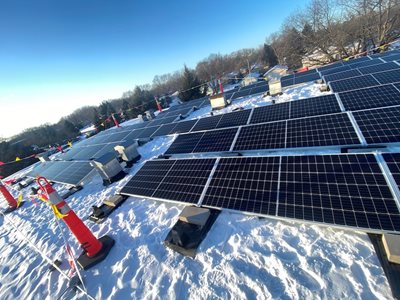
(85, 237)
(115, 120)
(158, 105)
(221, 88)
(12, 203)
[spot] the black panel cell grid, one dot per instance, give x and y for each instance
(74, 173)
(379, 68)
(234, 119)
(184, 126)
(379, 125)
(337, 189)
(270, 113)
(245, 184)
(326, 130)
(353, 83)
(207, 123)
(185, 181)
(335, 70)
(216, 141)
(147, 132)
(185, 143)
(380, 96)
(329, 67)
(366, 63)
(164, 129)
(264, 136)
(391, 57)
(307, 78)
(322, 105)
(342, 75)
(388, 76)
(241, 93)
(393, 162)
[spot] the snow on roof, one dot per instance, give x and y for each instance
(242, 257)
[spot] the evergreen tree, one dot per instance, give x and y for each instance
(269, 56)
(191, 88)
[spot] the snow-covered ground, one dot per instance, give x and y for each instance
(242, 257)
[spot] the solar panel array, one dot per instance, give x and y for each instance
(342, 189)
(253, 89)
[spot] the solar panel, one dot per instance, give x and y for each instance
(164, 129)
(109, 148)
(116, 137)
(391, 57)
(342, 75)
(135, 134)
(335, 70)
(356, 60)
(74, 173)
(379, 96)
(337, 189)
(393, 162)
(241, 93)
(366, 63)
(380, 125)
(388, 76)
(147, 132)
(185, 143)
(287, 82)
(207, 123)
(88, 152)
(165, 120)
(184, 126)
(314, 106)
(379, 68)
(216, 140)
(307, 78)
(353, 83)
(264, 136)
(248, 184)
(259, 89)
(331, 66)
(177, 180)
(275, 112)
(328, 130)
(234, 119)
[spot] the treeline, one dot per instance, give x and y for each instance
(324, 31)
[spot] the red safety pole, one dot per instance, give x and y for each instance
(221, 88)
(85, 237)
(158, 105)
(115, 121)
(12, 203)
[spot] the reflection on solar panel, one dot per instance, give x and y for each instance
(314, 106)
(248, 184)
(207, 123)
(353, 83)
(393, 162)
(326, 130)
(379, 96)
(216, 140)
(164, 129)
(365, 63)
(391, 57)
(380, 125)
(270, 113)
(67, 172)
(337, 189)
(342, 75)
(379, 68)
(264, 136)
(388, 76)
(177, 180)
(307, 78)
(234, 119)
(184, 126)
(335, 70)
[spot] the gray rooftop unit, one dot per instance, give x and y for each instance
(128, 152)
(108, 168)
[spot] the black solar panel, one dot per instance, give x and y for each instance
(365, 63)
(184, 126)
(380, 125)
(307, 78)
(164, 129)
(259, 89)
(275, 112)
(379, 96)
(356, 60)
(165, 120)
(388, 76)
(353, 83)
(248, 184)
(109, 148)
(135, 134)
(329, 67)
(185, 143)
(287, 82)
(314, 106)
(207, 123)
(335, 70)
(393, 162)
(241, 93)
(264, 136)
(328, 130)
(116, 137)
(147, 132)
(234, 119)
(87, 152)
(178, 180)
(342, 75)
(74, 173)
(337, 189)
(379, 68)
(216, 140)
(391, 57)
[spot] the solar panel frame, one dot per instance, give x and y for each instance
(353, 83)
(380, 125)
(321, 131)
(373, 97)
(393, 162)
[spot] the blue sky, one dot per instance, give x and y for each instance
(58, 55)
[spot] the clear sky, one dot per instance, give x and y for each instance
(58, 55)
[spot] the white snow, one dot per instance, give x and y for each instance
(242, 257)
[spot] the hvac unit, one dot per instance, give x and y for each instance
(218, 101)
(128, 152)
(109, 168)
